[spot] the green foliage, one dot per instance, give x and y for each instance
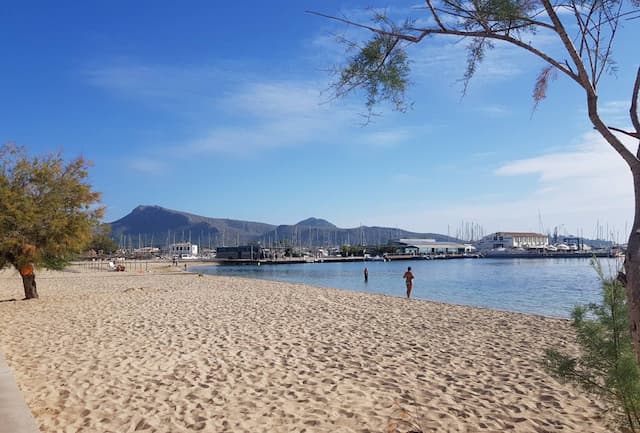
(352, 250)
(607, 365)
(57, 263)
(501, 11)
(381, 69)
(47, 209)
(475, 55)
(102, 241)
(380, 66)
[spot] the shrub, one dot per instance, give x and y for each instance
(607, 365)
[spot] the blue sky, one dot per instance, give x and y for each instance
(222, 110)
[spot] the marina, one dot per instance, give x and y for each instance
(545, 286)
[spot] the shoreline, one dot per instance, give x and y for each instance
(167, 351)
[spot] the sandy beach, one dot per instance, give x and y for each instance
(163, 350)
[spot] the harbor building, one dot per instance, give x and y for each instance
(431, 246)
(525, 240)
(183, 249)
(243, 252)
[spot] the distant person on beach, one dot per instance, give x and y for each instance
(366, 275)
(408, 277)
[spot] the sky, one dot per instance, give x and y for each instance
(223, 109)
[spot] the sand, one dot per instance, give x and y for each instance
(169, 351)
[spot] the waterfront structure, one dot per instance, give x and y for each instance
(525, 240)
(147, 251)
(183, 249)
(243, 252)
(431, 246)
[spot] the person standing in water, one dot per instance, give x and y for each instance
(366, 275)
(408, 277)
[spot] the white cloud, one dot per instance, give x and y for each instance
(147, 166)
(495, 110)
(592, 159)
(275, 99)
(616, 112)
(272, 115)
(403, 178)
(246, 117)
(445, 58)
(387, 139)
(574, 188)
(158, 84)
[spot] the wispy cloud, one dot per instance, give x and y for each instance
(163, 85)
(574, 187)
(404, 178)
(147, 166)
(495, 110)
(270, 115)
(445, 59)
(241, 117)
(387, 139)
(616, 112)
(592, 159)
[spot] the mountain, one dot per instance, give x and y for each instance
(316, 222)
(327, 234)
(157, 226)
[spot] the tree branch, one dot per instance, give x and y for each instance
(435, 15)
(583, 76)
(614, 28)
(630, 134)
(592, 96)
(422, 33)
(633, 111)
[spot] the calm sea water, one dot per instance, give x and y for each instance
(550, 287)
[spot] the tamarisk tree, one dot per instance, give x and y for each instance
(584, 33)
(47, 211)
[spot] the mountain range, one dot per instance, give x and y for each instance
(157, 226)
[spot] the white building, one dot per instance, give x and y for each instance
(431, 246)
(183, 249)
(508, 240)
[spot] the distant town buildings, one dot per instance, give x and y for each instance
(526, 240)
(146, 251)
(431, 246)
(183, 249)
(246, 252)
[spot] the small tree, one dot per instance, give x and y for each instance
(101, 242)
(380, 67)
(47, 211)
(607, 365)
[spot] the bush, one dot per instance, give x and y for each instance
(607, 366)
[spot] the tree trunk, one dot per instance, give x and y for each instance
(29, 283)
(632, 269)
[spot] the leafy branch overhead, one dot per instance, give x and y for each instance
(381, 66)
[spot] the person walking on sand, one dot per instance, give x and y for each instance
(366, 275)
(408, 277)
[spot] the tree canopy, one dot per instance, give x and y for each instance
(101, 242)
(47, 208)
(584, 30)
